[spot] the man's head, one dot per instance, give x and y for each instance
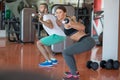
(43, 8)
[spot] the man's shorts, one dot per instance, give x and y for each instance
(52, 39)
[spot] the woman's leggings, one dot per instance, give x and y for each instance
(84, 44)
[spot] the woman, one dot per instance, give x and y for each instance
(83, 42)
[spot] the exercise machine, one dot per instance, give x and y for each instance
(27, 28)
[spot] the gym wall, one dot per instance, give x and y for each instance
(119, 34)
(111, 30)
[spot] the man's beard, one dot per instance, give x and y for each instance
(43, 12)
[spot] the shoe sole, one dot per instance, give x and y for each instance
(70, 79)
(67, 74)
(54, 63)
(46, 66)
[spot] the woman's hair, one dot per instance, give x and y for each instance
(62, 8)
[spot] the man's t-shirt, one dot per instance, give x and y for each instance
(56, 29)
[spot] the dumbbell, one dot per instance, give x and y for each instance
(103, 63)
(107, 64)
(65, 21)
(116, 65)
(36, 14)
(110, 64)
(92, 65)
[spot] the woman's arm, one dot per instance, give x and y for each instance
(76, 25)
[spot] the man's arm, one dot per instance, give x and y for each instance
(58, 23)
(47, 23)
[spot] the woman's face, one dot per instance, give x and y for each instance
(60, 14)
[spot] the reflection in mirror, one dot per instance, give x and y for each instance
(97, 22)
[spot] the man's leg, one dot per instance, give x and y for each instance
(44, 43)
(52, 58)
(42, 50)
(49, 51)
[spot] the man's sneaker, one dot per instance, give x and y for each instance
(71, 77)
(67, 73)
(54, 61)
(46, 64)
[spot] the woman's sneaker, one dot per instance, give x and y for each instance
(71, 77)
(67, 73)
(54, 61)
(46, 64)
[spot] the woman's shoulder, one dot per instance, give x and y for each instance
(49, 14)
(72, 18)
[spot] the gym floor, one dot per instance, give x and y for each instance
(22, 58)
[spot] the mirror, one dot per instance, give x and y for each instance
(85, 11)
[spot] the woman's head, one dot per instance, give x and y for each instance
(61, 12)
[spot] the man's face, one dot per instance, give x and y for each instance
(42, 8)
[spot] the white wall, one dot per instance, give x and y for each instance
(110, 33)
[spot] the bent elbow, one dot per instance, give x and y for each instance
(83, 27)
(51, 26)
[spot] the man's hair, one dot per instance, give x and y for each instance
(45, 4)
(62, 8)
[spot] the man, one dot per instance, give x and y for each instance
(56, 35)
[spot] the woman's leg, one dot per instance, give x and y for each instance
(84, 45)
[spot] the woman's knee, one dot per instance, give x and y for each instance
(65, 52)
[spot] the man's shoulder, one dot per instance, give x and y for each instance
(49, 16)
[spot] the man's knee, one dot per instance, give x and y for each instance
(39, 43)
